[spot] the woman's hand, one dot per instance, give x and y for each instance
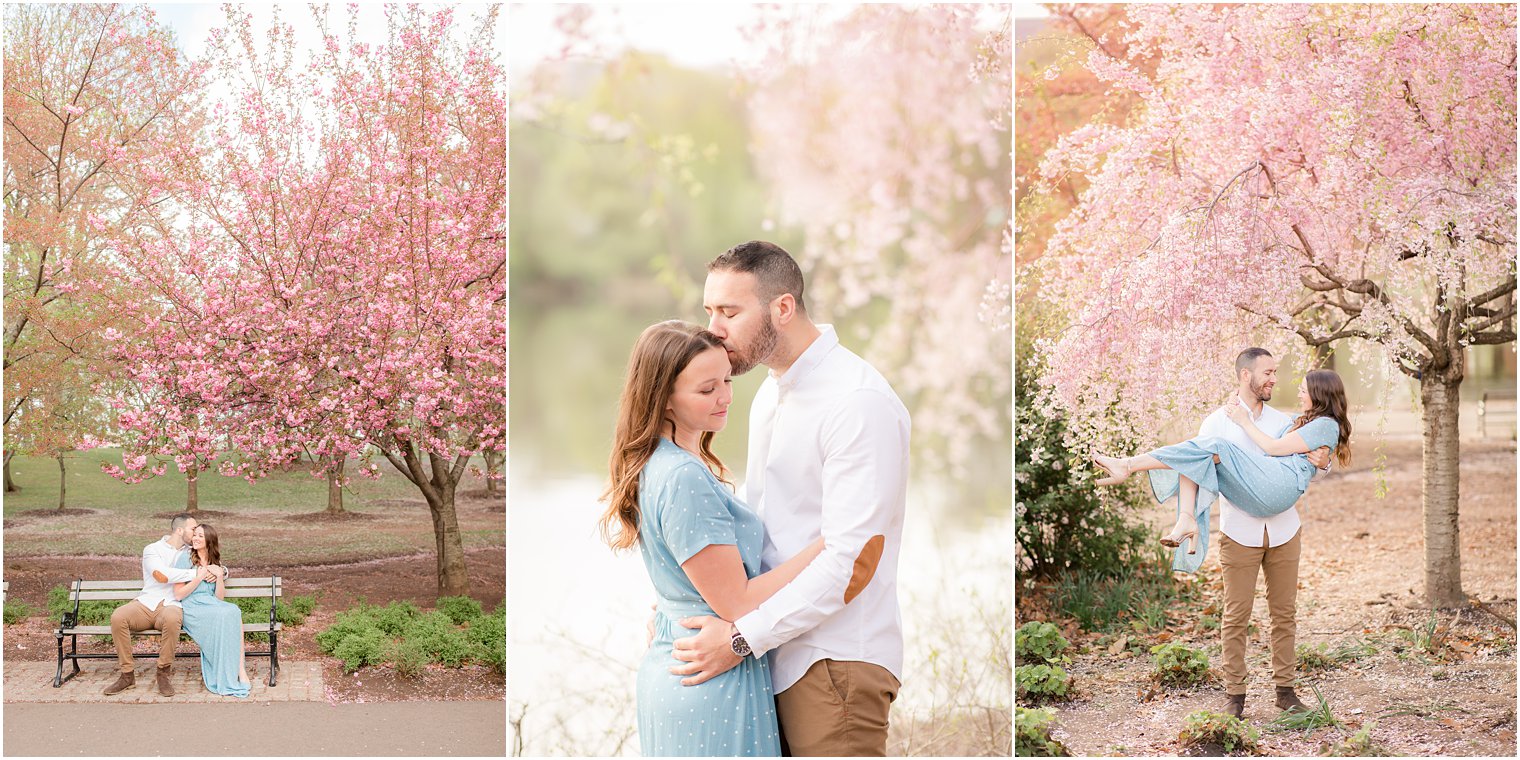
(1237, 413)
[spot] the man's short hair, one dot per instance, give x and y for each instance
(1247, 359)
(178, 521)
(775, 270)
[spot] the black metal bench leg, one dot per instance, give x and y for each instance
(58, 677)
(274, 657)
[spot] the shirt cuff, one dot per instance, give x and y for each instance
(758, 630)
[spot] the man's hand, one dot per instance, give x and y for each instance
(1320, 457)
(708, 654)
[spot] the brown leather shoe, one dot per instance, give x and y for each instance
(164, 687)
(1235, 706)
(1287, 700)
(123, 682)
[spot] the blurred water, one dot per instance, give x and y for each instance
(577, 630)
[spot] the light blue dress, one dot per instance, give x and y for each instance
(217, 627)
(1258, 484)
(683, 508)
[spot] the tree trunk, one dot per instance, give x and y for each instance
(494, 461)
(335, 490)
(1439, 406)
(453, 580)
(63, 482)
(10, 485)
(192, 498)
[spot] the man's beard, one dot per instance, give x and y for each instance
(748, 357)
(1261, 392)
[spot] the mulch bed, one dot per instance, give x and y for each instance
(337, 587)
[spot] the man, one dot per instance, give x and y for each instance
(828, 456)
(156, 607)
(1248, 543)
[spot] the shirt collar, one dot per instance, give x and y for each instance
(810, 358)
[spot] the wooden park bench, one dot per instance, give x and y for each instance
(124, 591)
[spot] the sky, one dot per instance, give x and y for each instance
(696, 35)
(193, 22)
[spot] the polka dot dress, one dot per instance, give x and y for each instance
(1259, 484)
(684, 509)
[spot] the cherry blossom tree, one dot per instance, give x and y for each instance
(90, 92)
(327, 266)
(1323, 174)
(905, 209)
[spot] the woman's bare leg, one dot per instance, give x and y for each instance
(1187, 518)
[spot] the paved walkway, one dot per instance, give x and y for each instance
(33, 682)
(261, 729)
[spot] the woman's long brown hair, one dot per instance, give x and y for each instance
(1327, 398)
(213, 548)
(661, 353)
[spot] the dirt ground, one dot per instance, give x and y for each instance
(1360, 575)
(336, 587)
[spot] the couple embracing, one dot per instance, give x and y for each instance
(1257, 462)
(777, 628)
(183, 589)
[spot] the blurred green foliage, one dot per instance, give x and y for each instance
(611, 235)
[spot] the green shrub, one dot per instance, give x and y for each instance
(435, 634)
(1041, 682)
(1061, 523)
(394, 618)
(412, 639)
(349, 623)
(1359, 744)
(1179, 664)
(1106, 604)
(292, 610)
(1036, 642)
(16, 611)
(368, 647)
(1206, 727)
(90, 613)
(460, 609)
(411, 658)
(488, 634)
(1031, 734)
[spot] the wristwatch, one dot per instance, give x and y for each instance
(738, 644)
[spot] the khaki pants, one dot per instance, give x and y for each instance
(135, 616)
(1280, 565)
(838, 709)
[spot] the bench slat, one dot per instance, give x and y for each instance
(105, 630)
(137, 584)
(127, 590)
(125, 595)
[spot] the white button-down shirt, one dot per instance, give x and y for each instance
(161, 556)
(1244, 528)
(828, 456)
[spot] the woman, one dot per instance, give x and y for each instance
(1260, 484)
(216, 625)
(669, 495)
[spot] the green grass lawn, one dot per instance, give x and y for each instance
(89, 488)
(255, 530)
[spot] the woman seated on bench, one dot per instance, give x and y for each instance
(215, 624)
